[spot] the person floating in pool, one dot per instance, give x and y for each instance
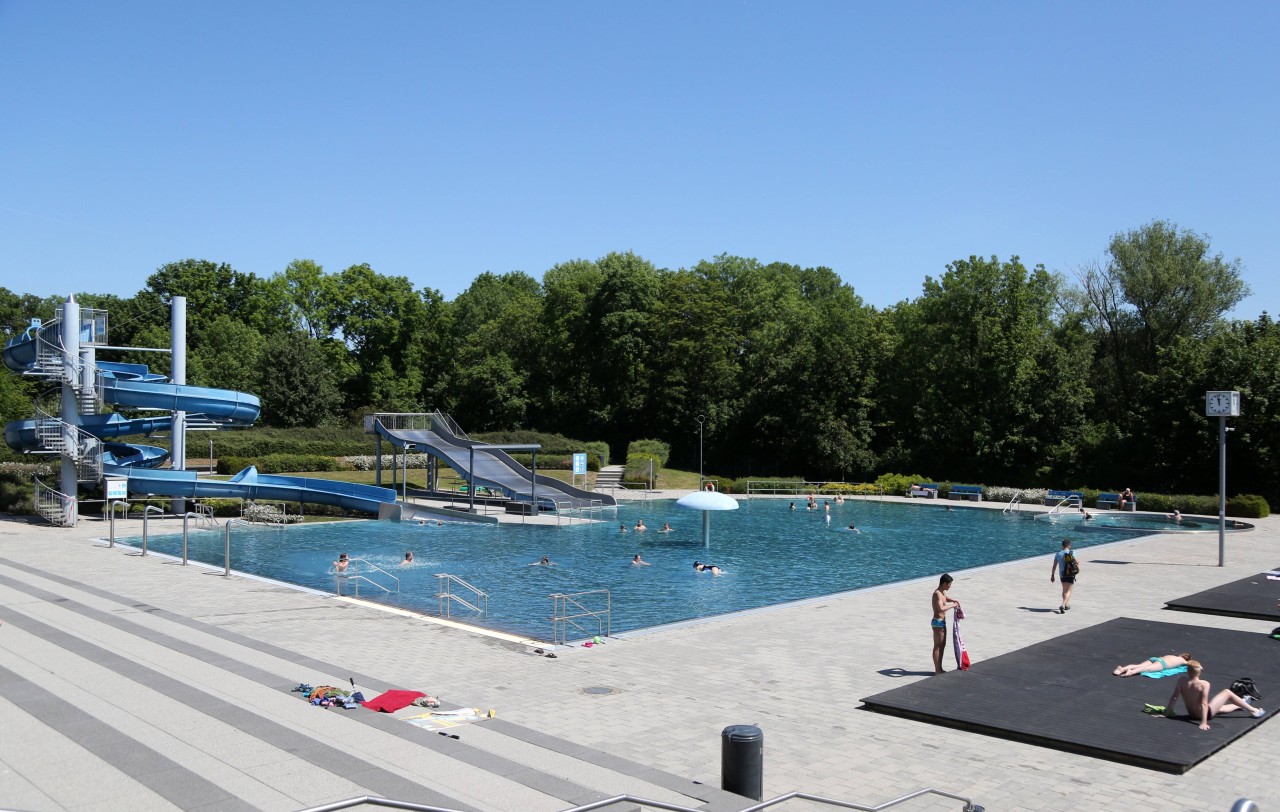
(408, 559)
(622, 528)
(340, 566)
(853, 527)
(543, 562)
(1153, 664)
(637, 561)
(666, 527)
(941, 603)
(711, 568)
(640, 528)
(793, 506)
(1176, 515)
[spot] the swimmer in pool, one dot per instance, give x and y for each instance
(543, 562)
(854, 527)
(638, 561)
(622, 528)
(342, 563)
(408, 559)
(640, 528)
(666, 528)
(711, 568)
(793, 506)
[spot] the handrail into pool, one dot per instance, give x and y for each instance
(146, 511)
(353, 575)
(111, 507)
(444, 593)
(1014, 504)
(561, 620)
(226, 544)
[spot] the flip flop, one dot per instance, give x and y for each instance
(551, 654)
(1154, 709)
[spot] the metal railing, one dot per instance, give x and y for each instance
(111, 510)
(146, 512)
(54, 506)
(226, 544)
(569, 609)
(969, 805)
(445, 594)
(353, 577)
(1014, 504)
(773, 487)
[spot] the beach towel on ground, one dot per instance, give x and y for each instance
(392, 701)
(1168, 672)
(962, 653)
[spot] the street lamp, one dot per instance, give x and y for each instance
(701, 418)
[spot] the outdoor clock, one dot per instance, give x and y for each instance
(1222, 404)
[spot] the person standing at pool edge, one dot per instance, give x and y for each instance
(1064, 561)
(941, 603)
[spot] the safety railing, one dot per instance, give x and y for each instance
(773, 487)
(1015, 504)
(203, 515)
(111, 510)
(476, 600)
(570, 611)
(969, 805)
(226, 544)
(146, 512)
(54, 506)
(352, 578)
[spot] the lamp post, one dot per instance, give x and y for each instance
(701, 418)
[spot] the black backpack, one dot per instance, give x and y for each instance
(1244, 687)
(1070, 566)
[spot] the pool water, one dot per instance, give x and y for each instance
(769, 554)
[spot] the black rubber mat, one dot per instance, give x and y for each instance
(1255, 597)
(1061, 693)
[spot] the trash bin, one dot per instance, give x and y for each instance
(742, 761)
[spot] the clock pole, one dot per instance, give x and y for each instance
(1222, 491)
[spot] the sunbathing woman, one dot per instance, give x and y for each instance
(1153, 664)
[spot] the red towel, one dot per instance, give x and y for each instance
(392, 701)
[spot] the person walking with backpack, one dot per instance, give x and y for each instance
(1066, 567)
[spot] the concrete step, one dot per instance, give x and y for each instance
(166, 712)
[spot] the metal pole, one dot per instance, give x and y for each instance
(700, 419)
(226, 545)
(404, 486)
(471, 480)
(533, 511)
(211, 456)
(1222, 491)
(146, 511)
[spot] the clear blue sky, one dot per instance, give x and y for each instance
(440, 140)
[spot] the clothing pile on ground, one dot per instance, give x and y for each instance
(326, 696)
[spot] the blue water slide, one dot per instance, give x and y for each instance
(135, 387)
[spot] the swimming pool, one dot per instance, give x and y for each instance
(770, 555)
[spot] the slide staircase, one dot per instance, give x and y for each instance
(78, 435)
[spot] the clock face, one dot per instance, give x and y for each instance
(1219, 403)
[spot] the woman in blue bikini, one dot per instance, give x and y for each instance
(1153, 664)
(941, 603)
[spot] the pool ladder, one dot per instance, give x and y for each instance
(354, 578)
(472, 598)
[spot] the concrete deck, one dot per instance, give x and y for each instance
(130, 682)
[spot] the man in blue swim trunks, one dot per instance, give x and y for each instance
(941, 603)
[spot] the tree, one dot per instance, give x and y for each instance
(313, 297)
(985, 381)
(297, 385)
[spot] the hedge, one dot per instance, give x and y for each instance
(278, 463)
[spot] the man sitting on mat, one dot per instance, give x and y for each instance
(1153, 664)
(1195, 693)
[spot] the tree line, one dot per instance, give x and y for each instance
(996, 373)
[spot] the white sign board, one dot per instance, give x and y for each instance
(579, 463)
(117, 489)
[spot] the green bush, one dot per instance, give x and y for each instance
(1248, 506)
(17, 486)
(898, 484)
(654, 449)
(278, 463)
(638, 467)
(552, 445)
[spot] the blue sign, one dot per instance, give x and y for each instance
(580, 463)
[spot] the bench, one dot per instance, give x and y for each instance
(1112, 500)
(963, 492)
(926, 489)
(1072, 498)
